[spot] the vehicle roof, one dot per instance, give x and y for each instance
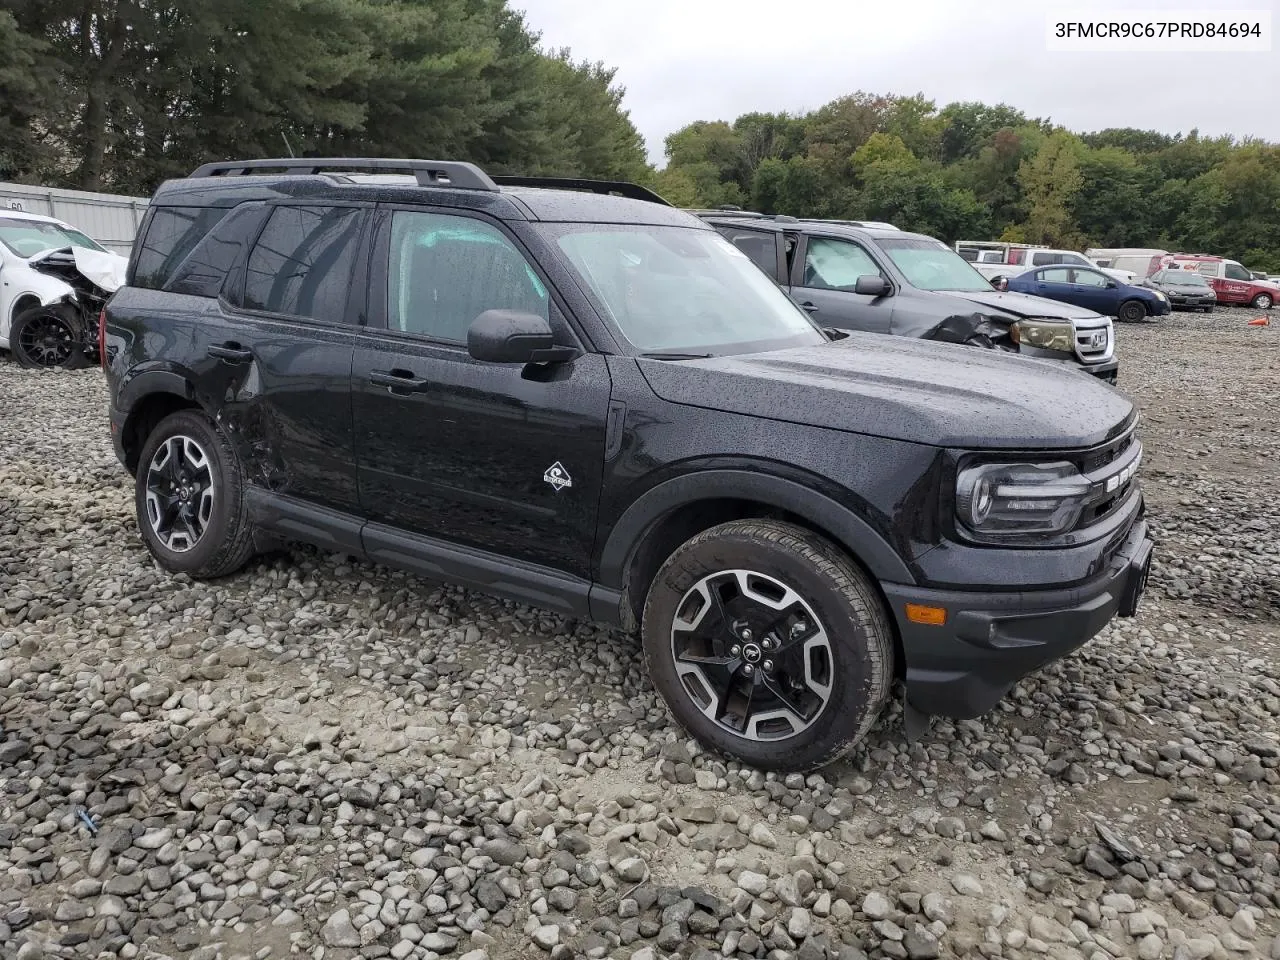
(836, 227)
(39, 217)
(507, 202)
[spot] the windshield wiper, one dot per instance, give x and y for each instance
(673, 355)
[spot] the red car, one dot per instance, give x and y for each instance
(1231, 282)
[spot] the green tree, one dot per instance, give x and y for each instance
(1050, 181)
(26, 87)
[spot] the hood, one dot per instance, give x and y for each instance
(941, 394)
(101, 268)
(1025, 305)
(1190, 288)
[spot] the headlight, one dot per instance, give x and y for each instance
(1000, 499)
(1161, 296)
(1044, 334)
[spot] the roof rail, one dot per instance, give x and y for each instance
(429, 173)
(632, 191)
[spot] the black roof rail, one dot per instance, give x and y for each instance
(622, 188)
(429, 173)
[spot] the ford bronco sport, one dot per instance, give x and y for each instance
(595, 403)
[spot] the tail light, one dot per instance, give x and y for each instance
(102, 339)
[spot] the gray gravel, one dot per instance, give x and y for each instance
(324, 758)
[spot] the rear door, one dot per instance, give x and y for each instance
(1054, 283)
(281, 354)
(495, 457)
(823, 273)
(763, 247)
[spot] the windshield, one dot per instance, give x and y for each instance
(929, 265)
(1183, 278)
(681, 290)
(26, 238)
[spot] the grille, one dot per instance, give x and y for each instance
(1093, 344)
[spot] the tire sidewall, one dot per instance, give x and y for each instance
(1132, 311)
(67, 314)
(227, 490)
(854, 694)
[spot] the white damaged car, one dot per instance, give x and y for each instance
(54, 280)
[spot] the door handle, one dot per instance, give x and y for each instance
(809, 306)
(231, 352)
(399, 381)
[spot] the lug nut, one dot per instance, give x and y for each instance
(767, 644)
(735, 650)
(746, 633)
(768, 666)
(748, 669)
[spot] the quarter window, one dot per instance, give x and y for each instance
(836, 264)
(445, 271)
(171, 235)
(301, 264)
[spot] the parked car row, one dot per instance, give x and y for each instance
(596, 403)
(1231, 281)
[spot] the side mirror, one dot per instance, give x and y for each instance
(871, 286)
(511, 336)
(1111, 285)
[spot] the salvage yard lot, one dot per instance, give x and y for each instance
(315, 753)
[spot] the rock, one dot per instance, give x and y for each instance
(153, 839)
(631, 869)
(1150, 947)
(339, 932)
(1244, 924)
(547, 936)
(800, 925)
(753, 883)
(508, 853)
(966, 884)
(762, 836)
(876, 905)
(920, 944)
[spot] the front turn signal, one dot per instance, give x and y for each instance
(929, 616)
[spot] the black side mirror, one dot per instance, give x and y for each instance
(1111, 285)
(871, 286)
(511, 336)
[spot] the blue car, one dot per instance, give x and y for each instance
(1093, 290)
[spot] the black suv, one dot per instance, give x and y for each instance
(874, 278)
(597, 404)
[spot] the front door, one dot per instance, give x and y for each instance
(1091, 291)
(823, 277)
(1236, 285)
(496, 457)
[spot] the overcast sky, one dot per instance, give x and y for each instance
(686, 60)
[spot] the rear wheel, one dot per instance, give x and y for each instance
(52, 336)
(1131, 311)
(1263, 301)
(768, 644)
(189, 496)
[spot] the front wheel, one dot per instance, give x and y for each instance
(1131, 311)
(768, 644)
(1263, 301)
(52, 336)
(189, 496)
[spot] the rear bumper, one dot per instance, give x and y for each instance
(990, 641)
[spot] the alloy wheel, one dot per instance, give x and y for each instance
(48, 340)
(180, 492)
(752, 655)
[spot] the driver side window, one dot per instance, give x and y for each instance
(445, 271)
(1235, 272)
(1087, 278)
(836, 264)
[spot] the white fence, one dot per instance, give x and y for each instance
(110, 219)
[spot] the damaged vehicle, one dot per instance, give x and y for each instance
(865, 278)
(54, 282)
(571, 394)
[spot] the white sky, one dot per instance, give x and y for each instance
(686, 60)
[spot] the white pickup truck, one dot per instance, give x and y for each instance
(1000, 261)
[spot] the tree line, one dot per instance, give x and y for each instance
(975, 171)
(118, 95)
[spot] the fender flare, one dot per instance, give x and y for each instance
(843, 526)
(149, 383)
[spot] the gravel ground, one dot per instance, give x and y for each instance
(326, 758)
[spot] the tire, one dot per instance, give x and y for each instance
(207, 532)
(48, 337)
(835, 635)
(1263, 301)
(1207, 309)
(1131, 311)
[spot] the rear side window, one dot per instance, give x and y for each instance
(203, 272)
(761, 248)
(301, 264)
(171, 235)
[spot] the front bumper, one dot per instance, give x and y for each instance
(1194, 303)
(990, 641)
